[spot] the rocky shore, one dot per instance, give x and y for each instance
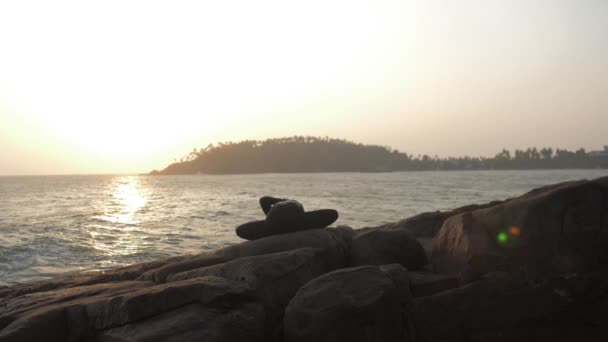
(531, 268)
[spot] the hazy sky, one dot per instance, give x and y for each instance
(127, 86)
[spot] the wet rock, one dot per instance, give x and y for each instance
(387, 246)
(130, 272)
(352, 304)
(159, 275)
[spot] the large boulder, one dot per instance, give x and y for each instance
(352, 304)
(402, 281)
(490, 306)
(387, 246)
(88, 311)
(336, 241)
(274, 278)
(501, 307)
(159, 275)
(554, 230)
(426, 225)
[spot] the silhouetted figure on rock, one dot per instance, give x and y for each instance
(285, 216)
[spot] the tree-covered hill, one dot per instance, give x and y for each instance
(313, 154)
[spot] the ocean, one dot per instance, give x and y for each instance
(50, 225)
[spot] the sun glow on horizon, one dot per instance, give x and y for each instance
(127, 86)
(121, 84)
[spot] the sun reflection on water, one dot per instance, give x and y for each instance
(118, 233)
(128, 197)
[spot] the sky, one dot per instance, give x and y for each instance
(129, 86)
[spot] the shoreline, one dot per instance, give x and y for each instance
(434, 276)
(295, 173)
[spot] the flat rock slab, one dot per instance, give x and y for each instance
(194, 322)
(76, 314)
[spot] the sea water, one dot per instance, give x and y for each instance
(50, 225)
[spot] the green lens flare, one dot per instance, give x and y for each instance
(503, 237)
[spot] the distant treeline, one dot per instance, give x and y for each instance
(314, 154)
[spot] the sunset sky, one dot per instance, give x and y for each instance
(127, 86)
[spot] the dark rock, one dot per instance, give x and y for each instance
(547, 232)
(427, 283)
(387, 246)
(426, 225)
(353, 304)
(159, 275)
(67, 308)
(194, 322)
(500, 307)
(274, 278)
(476, 246)
(335, 240)
(401, 279)
(84, 311)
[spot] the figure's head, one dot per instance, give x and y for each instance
(288, 213)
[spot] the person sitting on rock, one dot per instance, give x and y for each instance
(285, 216)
